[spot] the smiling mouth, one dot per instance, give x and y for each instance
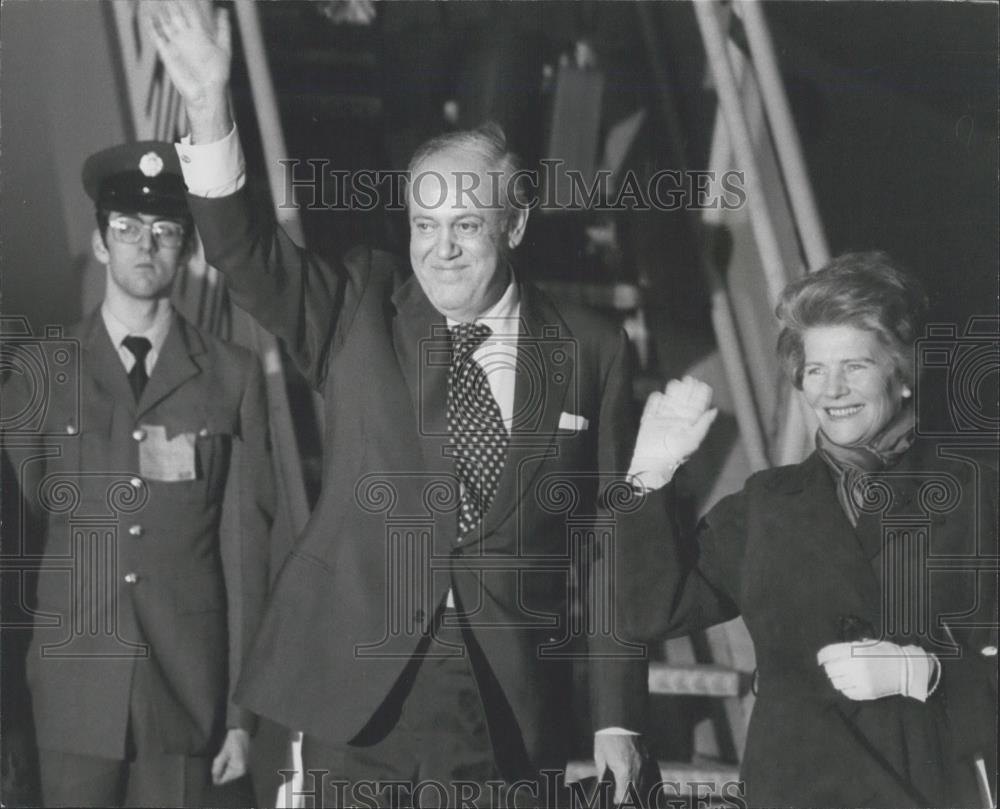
(844, 412)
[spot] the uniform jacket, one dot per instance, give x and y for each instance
(134, 566)
(920, 566)
(363, 582)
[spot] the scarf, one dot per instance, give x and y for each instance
(850, 465)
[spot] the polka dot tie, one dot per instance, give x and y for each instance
(476, 426)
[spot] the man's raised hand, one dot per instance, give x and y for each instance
(194, 42)
(674, 423)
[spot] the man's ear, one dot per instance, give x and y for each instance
(518, 222)
(99, 247)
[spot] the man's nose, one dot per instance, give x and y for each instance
(446, 247)
(147, 241)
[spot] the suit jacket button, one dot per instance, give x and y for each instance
(138, 434)
(71, 429)
(988, 651)
(203, 432)
(135, 483)
(135, 530)
(131, 578)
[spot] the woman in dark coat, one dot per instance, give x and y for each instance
(866, 575)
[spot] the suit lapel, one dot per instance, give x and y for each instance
(102, 363)
(420, 340)
(545, 366)
(544, 369)
(175, 365)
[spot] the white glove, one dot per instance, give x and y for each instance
(869, 669)
(674, 424)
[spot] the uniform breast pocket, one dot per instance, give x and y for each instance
(214, 449)
(188, 459)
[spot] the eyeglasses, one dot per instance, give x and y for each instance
(129, 231)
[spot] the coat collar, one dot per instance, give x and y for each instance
(895, 496)
(177, 362)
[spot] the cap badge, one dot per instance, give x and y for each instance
(151, 164)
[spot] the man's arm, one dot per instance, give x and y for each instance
(248, 512)
(618, 679)
(289, 291)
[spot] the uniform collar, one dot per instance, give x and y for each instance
(156, 333)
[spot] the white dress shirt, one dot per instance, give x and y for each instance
(156, 334)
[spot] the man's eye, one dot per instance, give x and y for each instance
(168, 229)
(815, 371)
(423, 227)
(125, 227)
(468, 228)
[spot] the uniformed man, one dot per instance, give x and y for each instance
(146, 597)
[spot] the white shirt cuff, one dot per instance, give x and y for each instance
(615, 732)
(215, 169)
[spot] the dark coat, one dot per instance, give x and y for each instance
(132, 566)
(920, 567)
(364, 580)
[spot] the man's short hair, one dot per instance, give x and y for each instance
(489, 143)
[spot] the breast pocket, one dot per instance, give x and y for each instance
(214, 449)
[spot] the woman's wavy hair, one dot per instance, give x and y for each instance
(867, 290)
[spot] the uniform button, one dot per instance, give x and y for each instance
(203, 432)
(135, 530)
(131, 578)
(135, 483)
(186, 158)
(138, 434)
(71, 429)
(988, 651)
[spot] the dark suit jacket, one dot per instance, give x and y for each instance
(361, 587)
(919, 568)
(197, 592)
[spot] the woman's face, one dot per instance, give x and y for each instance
(850, 382)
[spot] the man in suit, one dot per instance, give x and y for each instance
(477, 434)
(145, 602)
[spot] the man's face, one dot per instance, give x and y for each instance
(459, 238)
(144, 270)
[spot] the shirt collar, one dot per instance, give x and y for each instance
(156, 333)
(503, 316)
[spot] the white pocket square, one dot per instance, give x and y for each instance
(571, 421)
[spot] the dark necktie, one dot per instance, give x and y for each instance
(137, 377)
(476, 426)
